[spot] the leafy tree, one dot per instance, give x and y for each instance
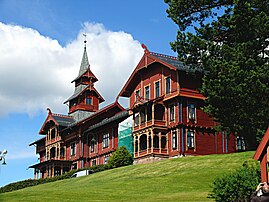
(121, 157)
(229, 39)
(237, 185)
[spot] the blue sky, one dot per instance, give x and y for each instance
(41, 46)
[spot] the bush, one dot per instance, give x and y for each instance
(121, 157)
(31, 182)
(237, 186)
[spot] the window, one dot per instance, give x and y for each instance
(88, 101)
(94, 162)
(137, 95)
(157, 89)
(52, 133)
(190, 139)
(172, 112)
(167, 85)
(57, 171)
(174, 140)
(74, 166)
(105, 140)
(106, 159)
(73, 149)
(240, 141)
(62, 152)
(92, 144)
(147, 93)
(191, 112)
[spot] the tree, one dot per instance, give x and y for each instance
(229, 39)
(121, 157)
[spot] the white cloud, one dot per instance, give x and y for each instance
(36, 71)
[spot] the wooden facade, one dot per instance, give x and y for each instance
(85, 137)
(166, 107)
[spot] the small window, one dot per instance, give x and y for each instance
(137, 95)
(172, 112)
(74, 166)
(106, 159)
(62, 152)
(105, 140)
(240, 141)
(157, 89)
(168, 85)
(92, 144)
(147, 93)
(88, 101)
(174, 140)
(94, 162)
(190, 139)
(191, 112)
(73, 149)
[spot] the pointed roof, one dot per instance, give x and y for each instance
(149, 58)
(57, 119)
(84, 63)
(81, 89)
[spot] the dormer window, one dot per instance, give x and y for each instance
(88, 101)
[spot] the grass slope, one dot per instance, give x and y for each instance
(182, 179)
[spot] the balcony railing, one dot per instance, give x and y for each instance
(158, 123)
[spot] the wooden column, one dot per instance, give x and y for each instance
(138, 145)
(152, 113)
(152, 135)
(166, 144)
(160, 137)
(147, 142)
(134, 144)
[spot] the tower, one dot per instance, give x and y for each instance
(85, 99)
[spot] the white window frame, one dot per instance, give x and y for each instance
(88, 98)
(169, 85)
(147, 98)
(137, 95)
(192, 136)
(73, 151)
(106, 140)
(171, 118)
(174, 140)
(155, 91)
(191, 117)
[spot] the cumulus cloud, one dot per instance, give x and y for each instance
(36, 71)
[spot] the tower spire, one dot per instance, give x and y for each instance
(85, 41)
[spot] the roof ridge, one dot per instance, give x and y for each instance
(61, 115)
(163, 55)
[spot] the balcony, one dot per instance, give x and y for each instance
(154, 123)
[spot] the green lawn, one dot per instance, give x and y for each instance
(182, 179)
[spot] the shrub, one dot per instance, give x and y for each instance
(31, 182)
(237, 186)
(121, 157)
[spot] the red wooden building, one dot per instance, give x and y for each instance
(86, 136)
(166, 108)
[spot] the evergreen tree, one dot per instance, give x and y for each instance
(229, 39)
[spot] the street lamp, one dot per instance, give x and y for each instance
(2, 156)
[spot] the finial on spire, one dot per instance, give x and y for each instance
(145, 48)
(49, 111)
(85, 41)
